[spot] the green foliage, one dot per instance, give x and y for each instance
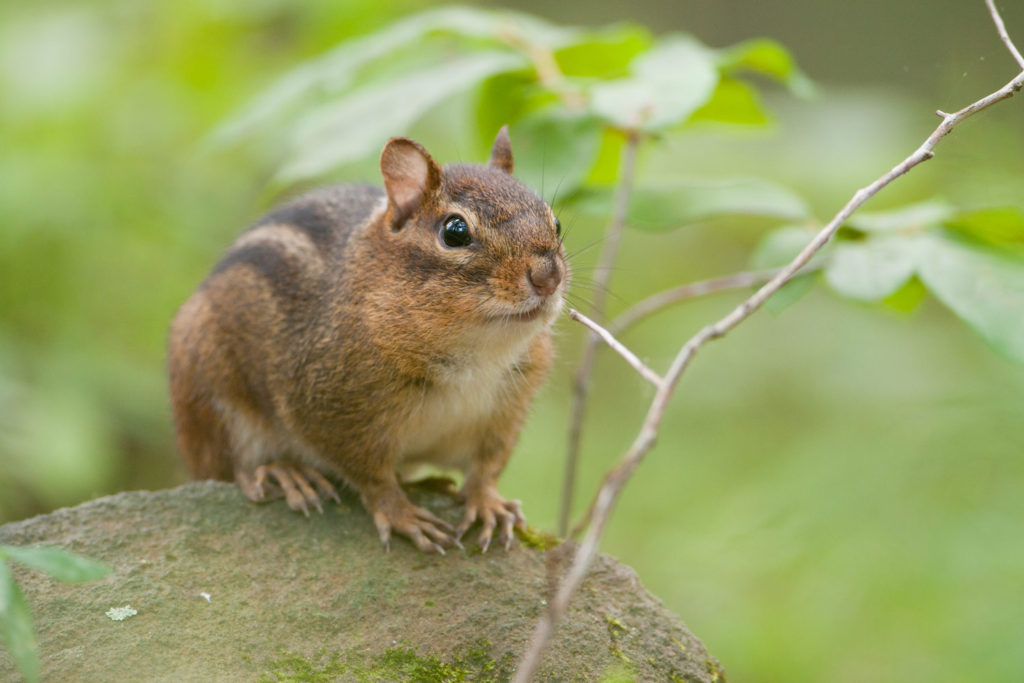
(733, 102)
(670, 205)
(350, 127)
(343, 69)
(907, 219)
(872, 269)
(985, 288)
(667, 84)
(766, 58)
(561, 90)
(1001, 226)
(971, 261)
(603, 53)
(60, 564)
(16, 630)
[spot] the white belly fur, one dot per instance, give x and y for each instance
(444, 428)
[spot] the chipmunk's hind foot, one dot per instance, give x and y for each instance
(300, 485)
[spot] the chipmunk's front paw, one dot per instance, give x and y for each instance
(427, 531)
(487, 505)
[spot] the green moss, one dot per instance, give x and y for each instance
(405, 664)
(291, 668)
(616, 629)
(614, 625)
(619, 654)
(715, 669)
(619, 673)
(395, 664)
(536, 539)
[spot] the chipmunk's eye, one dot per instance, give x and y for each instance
(455, 232)
(558, 227)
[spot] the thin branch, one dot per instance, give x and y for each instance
(617, 346)
(617, 478)
(656, 302)
(581, 386)
(1003, 35)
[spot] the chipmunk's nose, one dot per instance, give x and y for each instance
(544, 275)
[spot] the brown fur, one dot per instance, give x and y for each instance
(342, 334)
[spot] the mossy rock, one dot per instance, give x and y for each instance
(295, 599)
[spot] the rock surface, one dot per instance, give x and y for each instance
(318, 599)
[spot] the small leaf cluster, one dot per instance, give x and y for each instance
(970, 261)
(16, 630)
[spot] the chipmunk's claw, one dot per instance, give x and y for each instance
(300, 485)
(427, 531)
(490, 509)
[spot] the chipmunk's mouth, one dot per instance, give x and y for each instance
(526, 316)
(547, 307)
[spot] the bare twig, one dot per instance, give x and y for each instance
(656, 302)
(616, 479)
(581, 386)
(617, 346)
(1003, 35)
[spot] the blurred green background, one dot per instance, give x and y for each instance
(837, 493)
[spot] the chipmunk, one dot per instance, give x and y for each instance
(354, 334)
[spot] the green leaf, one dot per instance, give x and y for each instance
(983, 287)
(659, 208)
(669, 206)
(555, 150)
(767, 58)
(60, 564)
(338, 70)
(502, 25)
(605, 170)
(779, 247)
(357, 124)
(16, 629)
(505, 98)
(872, 269)
(733, 102)
(604, 53)
(668, 83)
(999, 226)
(908, 297)
(791, 292)
(912, 218)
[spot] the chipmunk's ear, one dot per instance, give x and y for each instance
(410, 177)
(501, 152)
